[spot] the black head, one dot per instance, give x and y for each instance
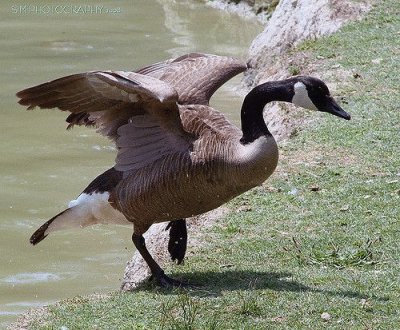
(312, 93)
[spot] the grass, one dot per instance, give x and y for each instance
(321, 236)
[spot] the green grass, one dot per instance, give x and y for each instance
(321, 236)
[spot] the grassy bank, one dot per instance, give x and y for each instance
(316, 246)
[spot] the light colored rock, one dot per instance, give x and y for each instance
(242, 9)
(294, 21)
(325, 316)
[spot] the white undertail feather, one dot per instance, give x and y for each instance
(74, 217)
(87, 210)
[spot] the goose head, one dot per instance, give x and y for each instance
(312, 93)
(303, 91)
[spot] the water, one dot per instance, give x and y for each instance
(42, 166)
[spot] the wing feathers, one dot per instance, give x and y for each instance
(143, 141)
(99, 90)
(196, 76)
(139, 110)
(116, 96)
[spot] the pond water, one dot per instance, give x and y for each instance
(42, 166)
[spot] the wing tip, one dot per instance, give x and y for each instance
(27, 104)
(26, 98)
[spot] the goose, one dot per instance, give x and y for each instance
(176, 156)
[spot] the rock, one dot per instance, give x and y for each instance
(294, 21)
(344, 208)
(244, 208)
(314, 187)
(250, 9)
(325, 316)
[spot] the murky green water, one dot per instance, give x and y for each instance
(42, 166)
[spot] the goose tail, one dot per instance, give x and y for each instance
(72, 217)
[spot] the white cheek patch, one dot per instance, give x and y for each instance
(301, 98)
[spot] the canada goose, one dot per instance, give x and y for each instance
(177, 157)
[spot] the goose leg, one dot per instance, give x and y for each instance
(177, 240)
(156, 271)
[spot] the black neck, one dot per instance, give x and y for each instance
(253, 124)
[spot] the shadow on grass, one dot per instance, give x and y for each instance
(214, 283)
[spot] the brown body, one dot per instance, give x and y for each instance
(185, 184)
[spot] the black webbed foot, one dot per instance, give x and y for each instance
(167, 282)
(177, 240)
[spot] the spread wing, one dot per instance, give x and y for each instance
(196, 76)
(124, 106)
(137, 110)
(106, 99)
